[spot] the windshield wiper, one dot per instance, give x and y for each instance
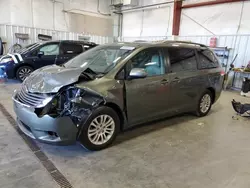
(61, 65)
(90, 71)
(87, 75)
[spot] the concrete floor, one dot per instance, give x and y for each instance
(180, 152)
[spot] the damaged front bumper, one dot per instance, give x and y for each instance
(59, 130)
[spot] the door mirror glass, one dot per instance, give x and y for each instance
(40, 54)
(138, 73)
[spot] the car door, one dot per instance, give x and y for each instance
(45, 55)
(68, 51)
(147, 98)
(184, 81)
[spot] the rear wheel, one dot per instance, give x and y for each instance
(100, 129)
(204, 104)
(23, 72)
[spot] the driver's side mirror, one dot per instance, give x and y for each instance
(40, 54)
(137, 73)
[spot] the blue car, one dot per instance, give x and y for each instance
(20, 65)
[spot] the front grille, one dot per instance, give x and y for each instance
(31, 99)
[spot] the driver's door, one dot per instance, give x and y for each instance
(147, 98)
(49, 55)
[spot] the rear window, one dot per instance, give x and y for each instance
(207, 60)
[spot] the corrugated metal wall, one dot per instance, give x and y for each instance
(7, 33)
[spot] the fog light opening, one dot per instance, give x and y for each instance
(51, 133)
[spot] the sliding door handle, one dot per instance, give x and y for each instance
(164, 81)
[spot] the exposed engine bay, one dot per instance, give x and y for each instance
(73, 102)
(77, 103)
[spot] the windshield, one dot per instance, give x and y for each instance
(28, 47)
(100, 59)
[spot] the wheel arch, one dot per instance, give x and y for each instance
(212, 90)
(119, 112)
(22, 65)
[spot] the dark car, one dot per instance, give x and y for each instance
(1, 47)
(116, 86)
(37, 55)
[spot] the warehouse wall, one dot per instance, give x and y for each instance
(91, 24)
(5, 12)
(50, 14)
(223, 19)
(154, 21)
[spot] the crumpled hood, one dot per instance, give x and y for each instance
(50, 79)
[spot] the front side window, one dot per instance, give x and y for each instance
(182, 59)
(100, 59)
(207, 59)
(71, 49)
(149, 59)
(50, 49)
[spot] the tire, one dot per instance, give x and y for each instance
(16, 47)
(201, 112)
(26, 70)
(92, 142)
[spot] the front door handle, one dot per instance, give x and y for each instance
(176, 79)
(164, 81)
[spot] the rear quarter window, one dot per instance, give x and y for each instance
(207, 59)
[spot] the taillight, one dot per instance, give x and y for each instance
(222, 73)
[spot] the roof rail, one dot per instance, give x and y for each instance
(141, 41)
(187, 42)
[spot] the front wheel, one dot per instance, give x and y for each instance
(100, 129)
(205, 104)
(23, 72)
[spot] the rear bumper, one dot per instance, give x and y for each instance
(218, 88)
(46, 129)
(217, 96)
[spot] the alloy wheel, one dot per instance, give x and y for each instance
(205, 103)
(101, 129)
(24, 73)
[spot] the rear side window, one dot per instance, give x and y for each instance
(67, 48)
(182, 59)
(207, 60)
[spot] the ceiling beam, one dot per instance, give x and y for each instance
(176, 17)
(215, 2)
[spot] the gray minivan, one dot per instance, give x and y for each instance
(115, 86)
